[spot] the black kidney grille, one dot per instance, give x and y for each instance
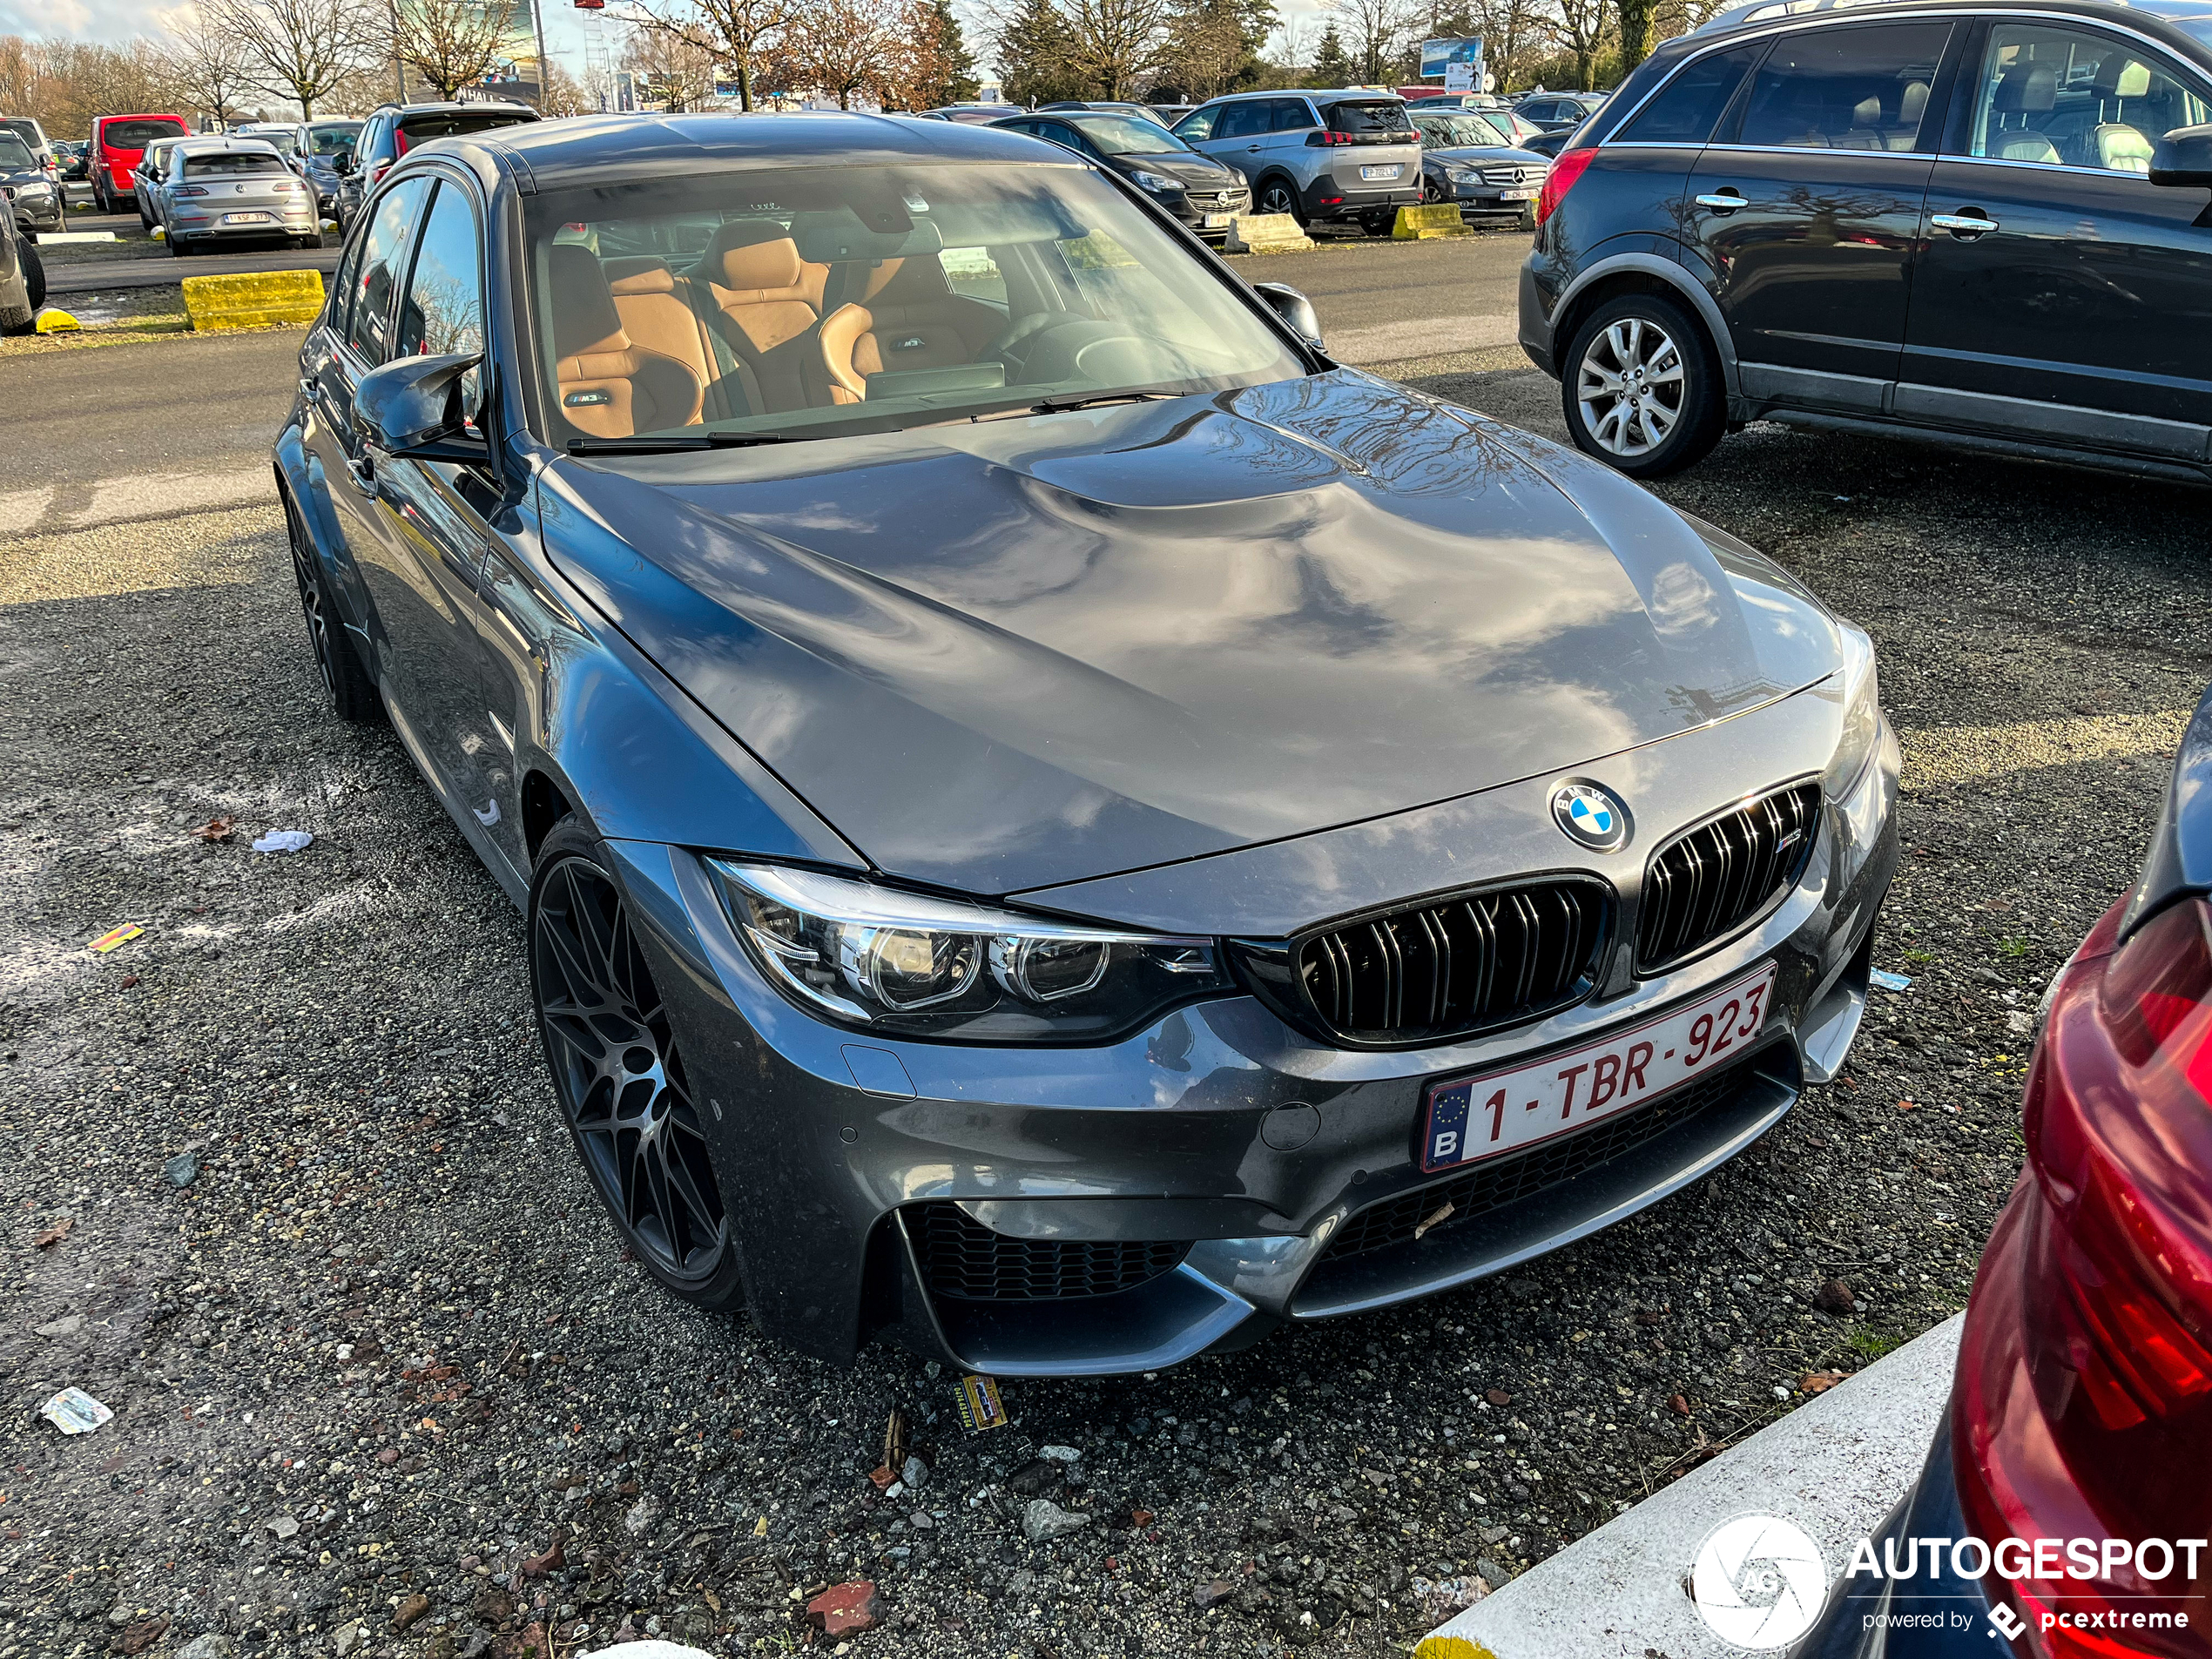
(963, 1257)
(1462, 965)
(1702, 885)
(1508, 1180)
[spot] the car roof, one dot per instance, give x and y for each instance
(1753, 13)
(1306, 91)
(244, 144)
(490, 106)
(613, 148)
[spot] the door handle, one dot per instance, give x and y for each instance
(1723, 201)
(1970, 223)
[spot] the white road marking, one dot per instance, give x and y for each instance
(1386, 342)
(154, 495)
(20, 509)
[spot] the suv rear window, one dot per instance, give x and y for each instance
(421, 129)
(137, 135)
(1380, 116)
(230, 166)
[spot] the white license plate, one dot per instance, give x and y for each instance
(245, 218)
(1379, 172)
(1217, 221)
(1479, 1118)
(1517, 195)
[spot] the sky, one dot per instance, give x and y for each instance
(117, 20)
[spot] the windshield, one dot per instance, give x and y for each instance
(14, 157)
(1453, 132)
(1124, 135)
(231, 164)
(822, 302)
(335, 139)
(421, 129)
(1510, 126)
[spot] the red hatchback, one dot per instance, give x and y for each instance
(112, 156)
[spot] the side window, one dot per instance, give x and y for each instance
(1199, 124)
(2066, 97)
(342, 283)
(444, 311)
(370, 312)
(1859, 88)
(1688, 107)
(1291, 115)
(1243, 120)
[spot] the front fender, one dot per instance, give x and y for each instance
(300, 477)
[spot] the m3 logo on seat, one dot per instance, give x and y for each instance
(586, 400)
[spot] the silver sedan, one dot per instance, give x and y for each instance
(219, 190)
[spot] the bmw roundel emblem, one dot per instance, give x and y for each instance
(1591, 814)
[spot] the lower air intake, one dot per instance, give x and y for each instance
(963, 1258)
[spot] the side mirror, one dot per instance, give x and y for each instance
(1295, 309)
(342, 162)
(412, 407)
(2183, 157)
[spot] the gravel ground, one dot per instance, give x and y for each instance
(382, 1383)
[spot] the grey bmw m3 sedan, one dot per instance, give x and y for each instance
(1057, 824)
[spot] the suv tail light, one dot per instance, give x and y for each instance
(2084, 1397)
(1564, 171)
(1327, 135)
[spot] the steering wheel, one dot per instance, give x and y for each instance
(1009, 346)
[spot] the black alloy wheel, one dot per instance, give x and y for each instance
(352, 694)
(1275, 196)
(619, 1074)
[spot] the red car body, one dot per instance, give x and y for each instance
(118, 142)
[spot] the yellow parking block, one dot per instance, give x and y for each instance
(53, 320)
(252, 300)
(1425, 224)
(1264, 234)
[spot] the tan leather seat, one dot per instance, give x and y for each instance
(764, 300)
(909, 318)
(657, 313)
(609, 386)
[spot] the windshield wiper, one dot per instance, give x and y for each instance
(672, 445)
(1064, 405)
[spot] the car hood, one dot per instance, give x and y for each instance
(1190, 169)
(1010, 654)
(1490, 155)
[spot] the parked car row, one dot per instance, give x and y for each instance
(28, 186)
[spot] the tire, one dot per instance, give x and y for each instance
(1641, 387)
(34, 275)
(1277, 195)
(176, 245)
(619, 1074)
(352, 693)
(1379, 224)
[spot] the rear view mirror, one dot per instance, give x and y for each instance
(2184, 158)
(1294, 308)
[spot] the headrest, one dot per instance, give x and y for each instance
(1914, 104)
(2027, 88)
(644, 275)
(584, 318)
(2130, 77)
(750, 253)
(2026, 146)
(1867, 112)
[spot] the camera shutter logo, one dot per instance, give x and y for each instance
(1758, 1581)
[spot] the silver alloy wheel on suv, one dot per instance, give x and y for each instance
(1630, 386)
(1275, 196)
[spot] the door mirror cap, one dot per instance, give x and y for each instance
(342, 162)
(2184, 158)
(412, 406)
(1295, 309)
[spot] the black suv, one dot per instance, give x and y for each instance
(394, 129)
(1932, 217)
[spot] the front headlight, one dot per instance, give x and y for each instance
(1158, 184)
(908, 964)
(36, 193)
(1862, 697)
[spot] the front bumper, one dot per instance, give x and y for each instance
(37, 215)
(1253, 1146)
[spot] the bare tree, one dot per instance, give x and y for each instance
(839, 47)
(1294, 45)
(1116, 41)
(450, 44)
(301, 48)
(735, 32)
(561, 93)
(210, 72)
(1582, 28)
(1372, 32)
(1515, 32)
(669, 72)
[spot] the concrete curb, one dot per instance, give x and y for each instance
(252, 299)
(1836, 1467)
